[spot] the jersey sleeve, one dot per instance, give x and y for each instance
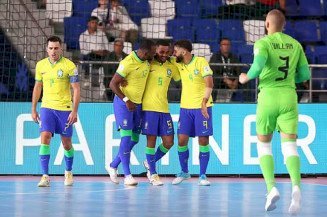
(38, 75)
(176, 75)
(260, 53)
(122, 69)
(302, 68)
(205, 69)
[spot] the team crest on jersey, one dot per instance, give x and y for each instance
(169, 72)
(196, 72)
(125, 122)
(60, 73)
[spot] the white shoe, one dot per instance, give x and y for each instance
(69, 178)
(44, 182)
(113, 174)
(296, 200)
(181, 177)
(155, 180)
(203, 181)
(147, 167)
(272, 198)
(129, 180)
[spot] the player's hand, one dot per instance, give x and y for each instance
(35, 117)
(72, 118)
(130, 106)
(243, 78)
(204, 109)
(123, 83)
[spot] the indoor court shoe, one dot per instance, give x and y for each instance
(45, 181)
(129, 180)
(69, 181)
(181, 177)
(113, 174)
(203, 181)
(155, 180)
(272, 198)
(147, 167)
(296, 200)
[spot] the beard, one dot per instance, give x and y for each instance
(179, 58)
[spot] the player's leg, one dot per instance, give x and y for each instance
(66, 132)
(265, 126)
(287, 124)
(167, 135)
(185, 130)
(47, 129)
(203, 129)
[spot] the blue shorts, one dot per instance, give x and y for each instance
(157, 124)
(192, 123)
(55, 121)
(125, 119)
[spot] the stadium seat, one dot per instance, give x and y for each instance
(310, 8)
(254, 30)
(56, 10)
(289, 29)
(162, 9)
(202, 50)
(154, 27)
(137, 9)
(83, 8)
(210, 8)
(180, 29)
(292, 8)
(306, 31)
(187, 8)
(206, 30)
(73, 27)
(319, 79)
(245, 53)
(128, 47)
(320, 52)
(232, 29)
(323, 31)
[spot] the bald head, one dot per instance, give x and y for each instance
(275, 21)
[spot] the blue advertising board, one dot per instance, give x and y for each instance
(96, 142)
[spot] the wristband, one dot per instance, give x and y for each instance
(125, 99)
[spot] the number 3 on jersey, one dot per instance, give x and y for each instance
(283, 68)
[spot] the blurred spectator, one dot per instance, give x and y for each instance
(93, 43)
(227, 75)
(117, 55)
(262, 7)
(238, 9)
(101, 12)
(120, 24)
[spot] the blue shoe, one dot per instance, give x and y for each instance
(203, 181)
(181, 177)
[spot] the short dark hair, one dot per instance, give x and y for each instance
(54, 38)
(224, 39)
(186, 44)
(93, 18)
(163, 43)
(146, 44)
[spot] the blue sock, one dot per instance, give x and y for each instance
(44, 154)
(161, 151)
(125, 151)
(134, 140)
(115, 163)
(204, 156)
(183, 154)
(69, 159)
(150, 157)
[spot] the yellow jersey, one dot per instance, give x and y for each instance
(193, 84)
(55, 79)
(136, 72)
(155, 94)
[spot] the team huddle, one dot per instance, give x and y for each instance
(141, 85)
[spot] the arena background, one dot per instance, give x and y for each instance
(26, 24)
